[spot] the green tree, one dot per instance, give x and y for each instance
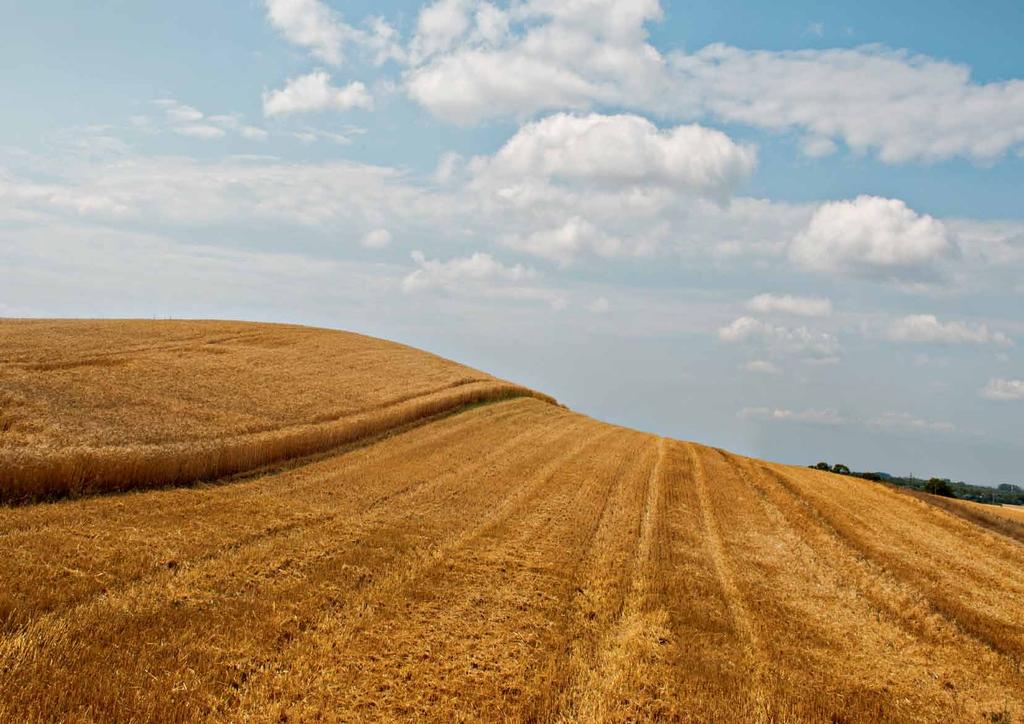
(938, 486)
(841, 469)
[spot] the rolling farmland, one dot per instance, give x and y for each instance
(96, 407)
(465, 550)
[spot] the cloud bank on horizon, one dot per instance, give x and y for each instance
(562, 171)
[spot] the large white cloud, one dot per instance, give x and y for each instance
(440, 24)
(478, 61)
(611, 185)
(314, 92)
(871, 236)
(926, 328)
(624, 150)
(904, 106)
(313, 25)
(472, 60)
(473, 85)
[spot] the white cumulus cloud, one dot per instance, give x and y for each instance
(313, 25)
(871, 236)
(927, 328)
(624, 150)
(477, 61)
(440, 24)
(314, 92)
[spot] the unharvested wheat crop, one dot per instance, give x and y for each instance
(513, 561)
(102, 406)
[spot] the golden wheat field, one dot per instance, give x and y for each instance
(441, 545)
(90, 407)
(1010, 512)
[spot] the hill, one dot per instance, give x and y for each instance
(515, 561)
(91, 406)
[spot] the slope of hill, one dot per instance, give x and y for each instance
(89, 406)
(514, 561)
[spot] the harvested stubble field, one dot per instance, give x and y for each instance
(506, 561)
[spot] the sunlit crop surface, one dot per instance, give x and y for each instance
(508, 559)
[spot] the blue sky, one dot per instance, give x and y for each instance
(793, 230)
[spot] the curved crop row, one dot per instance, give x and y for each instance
(27, 475)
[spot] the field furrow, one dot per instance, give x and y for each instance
(945, 560)
(902, 658)
(618, 683)
(360, 661)
(735, 600)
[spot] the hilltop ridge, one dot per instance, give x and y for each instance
(93, 406)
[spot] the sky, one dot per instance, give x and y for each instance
(792, 230)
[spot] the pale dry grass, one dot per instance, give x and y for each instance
(89, 406)
(1013, 513)
(513, 562)
(1005, 519)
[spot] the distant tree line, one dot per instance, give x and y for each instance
(1004, 494)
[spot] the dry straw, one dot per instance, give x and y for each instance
(36, 474)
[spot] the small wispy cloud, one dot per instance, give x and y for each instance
(1003, 390)
(811, 417)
